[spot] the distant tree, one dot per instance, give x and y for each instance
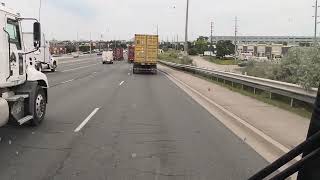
(224, 48)
(201, 44)
(71, 48)
(301, 66)
(123, 45)
(193, 51)
(84, 48)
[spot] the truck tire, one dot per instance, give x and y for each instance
(38, 67)
(54, 67)
(135, 71)
(40, 105)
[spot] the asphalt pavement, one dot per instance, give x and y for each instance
(103, 122)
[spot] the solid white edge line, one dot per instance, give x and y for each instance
(121, 83)
(86, 120)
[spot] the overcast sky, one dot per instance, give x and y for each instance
(121, 19)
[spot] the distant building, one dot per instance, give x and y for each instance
(57, 47)
(269, 51)
(287, 40)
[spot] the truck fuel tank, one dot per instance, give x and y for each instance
(4, 112)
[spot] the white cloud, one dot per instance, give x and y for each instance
(121, 19)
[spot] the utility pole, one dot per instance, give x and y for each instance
(77, 41)
(177, 42)
(235, 38)
(211, 40)
(100, 42)
(157, 30)
(186, 30)
(315, 23)
(90, 44)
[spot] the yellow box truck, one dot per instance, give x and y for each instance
(146, 53)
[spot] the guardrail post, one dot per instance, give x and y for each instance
(254, 90)
(291, 103)
(270, 95)
(232, 83)
(311, 170)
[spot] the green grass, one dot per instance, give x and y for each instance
(300, 108)
(221, 61)
(175, 57)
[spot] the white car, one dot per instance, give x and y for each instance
(75, 55)
(107, 57)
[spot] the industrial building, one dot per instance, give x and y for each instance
(288, 40)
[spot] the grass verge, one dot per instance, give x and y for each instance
(300, 108)
(221, 61)
(175, 57)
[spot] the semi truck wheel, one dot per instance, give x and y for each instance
(38, 67)
(40, 105)
(54, 67)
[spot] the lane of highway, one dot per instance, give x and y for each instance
(124, 134)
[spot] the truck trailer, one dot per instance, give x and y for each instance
(118, 54)
(23, 89)
(146, 53)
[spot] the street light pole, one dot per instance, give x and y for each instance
(235, 38)
(40, 11)
(186, 30)
(315, 23)
(157, 30)
(90, 44)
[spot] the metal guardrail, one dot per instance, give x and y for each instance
(292, 91)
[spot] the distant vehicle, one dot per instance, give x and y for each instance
(262, 59)
(146, 53)
(107, 57)
(208, 53)
(41, 58)
(75, 55)
(130, 54)
(56, 55)
(125, 55)
(118, 54)
(99, 54)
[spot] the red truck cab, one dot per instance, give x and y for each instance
(130, 54)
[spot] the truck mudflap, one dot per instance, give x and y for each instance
(4, 112)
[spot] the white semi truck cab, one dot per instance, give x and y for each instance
(41, 59)
(23, 89)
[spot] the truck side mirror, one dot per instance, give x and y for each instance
(37, 34)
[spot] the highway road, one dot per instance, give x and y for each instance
(104, 123)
